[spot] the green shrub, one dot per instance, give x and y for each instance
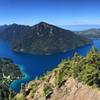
(48, 90)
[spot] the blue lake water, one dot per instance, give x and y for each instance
(37, 65)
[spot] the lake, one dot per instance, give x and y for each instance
(37, 65)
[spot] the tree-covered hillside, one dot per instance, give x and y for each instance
(41, 38)
(73, 78)
(8, 73)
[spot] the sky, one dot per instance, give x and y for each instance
(58, 12)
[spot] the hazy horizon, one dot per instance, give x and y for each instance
(51, 23)
(68, 27)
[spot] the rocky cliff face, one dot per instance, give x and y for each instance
(73, 90)
(70, 90)
(76, 79)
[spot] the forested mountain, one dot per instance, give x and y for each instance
(41, 38)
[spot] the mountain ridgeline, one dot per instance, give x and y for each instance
(41, 38)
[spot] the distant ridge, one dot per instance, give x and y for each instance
(80, 27)
(90, 33)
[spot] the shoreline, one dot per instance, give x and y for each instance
(24, 77)
(47, 54)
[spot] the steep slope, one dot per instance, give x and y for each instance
(91, 33)
(42, 38)
(75, 79)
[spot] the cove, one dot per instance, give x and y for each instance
(37, 65)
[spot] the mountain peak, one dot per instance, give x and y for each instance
(43, 23)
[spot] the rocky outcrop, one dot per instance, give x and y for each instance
(72, 90)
